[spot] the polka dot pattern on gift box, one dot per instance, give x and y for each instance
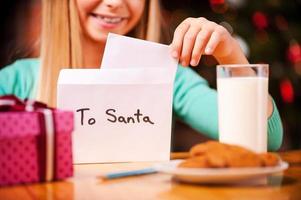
(18, 124)
(19, 148)
(64, 125)
(18, 161)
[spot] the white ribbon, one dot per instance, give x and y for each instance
(49, 143)
(7, 102)
(29, 105)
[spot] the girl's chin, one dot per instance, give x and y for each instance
(101, 36)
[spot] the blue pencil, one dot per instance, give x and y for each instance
(122, 174)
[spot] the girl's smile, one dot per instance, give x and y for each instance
(108, 21)
(99, 17)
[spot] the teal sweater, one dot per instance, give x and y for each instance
(193, 102)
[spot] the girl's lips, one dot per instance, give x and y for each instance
(106, 21)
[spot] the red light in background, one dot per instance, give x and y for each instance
(214, 2)
(218, 6)
(294, 53)
(260, 20)
(287, 91)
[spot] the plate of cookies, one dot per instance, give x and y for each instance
(215, 162)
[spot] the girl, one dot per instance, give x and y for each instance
(74, 33)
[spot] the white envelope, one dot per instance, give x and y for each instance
(121, 115)
(136, 79)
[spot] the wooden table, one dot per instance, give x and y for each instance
(86, 184)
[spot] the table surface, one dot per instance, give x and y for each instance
(87, 184)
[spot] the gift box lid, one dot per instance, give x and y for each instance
(24, 124)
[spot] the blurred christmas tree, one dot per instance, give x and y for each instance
(269, 31)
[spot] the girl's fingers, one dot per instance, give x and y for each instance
(176, 45)
(212, 43)
(196, 36)
(199, 46)
(215, 39)
(188, 44)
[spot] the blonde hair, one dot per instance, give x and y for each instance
(61, 43)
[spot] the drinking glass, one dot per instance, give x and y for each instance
(242, 105)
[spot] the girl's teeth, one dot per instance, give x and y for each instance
(111, 20)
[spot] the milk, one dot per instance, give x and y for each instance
(242, 115)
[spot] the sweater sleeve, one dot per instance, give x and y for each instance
(195, 103)
(20, 78)
(275, 130)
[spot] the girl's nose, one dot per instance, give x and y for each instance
(113, 3)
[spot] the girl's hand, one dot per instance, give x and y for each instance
(197, 36)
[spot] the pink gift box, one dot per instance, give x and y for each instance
(24, 154)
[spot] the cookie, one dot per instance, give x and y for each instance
(213, 154)
(195, 162)
(269, 159)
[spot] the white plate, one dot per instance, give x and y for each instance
(220, 175)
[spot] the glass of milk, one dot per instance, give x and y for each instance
(242, 105)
